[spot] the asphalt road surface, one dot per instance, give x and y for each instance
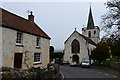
(88, 73)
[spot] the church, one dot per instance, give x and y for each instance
(78, 46)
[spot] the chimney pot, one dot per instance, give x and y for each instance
(31, 16)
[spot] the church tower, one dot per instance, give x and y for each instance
(91, 31)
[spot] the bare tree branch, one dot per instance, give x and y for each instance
(110, 22)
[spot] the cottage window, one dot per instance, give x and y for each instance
(37, 41)
(19, 38)
(37, 57)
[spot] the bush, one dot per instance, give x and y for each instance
(50, 73)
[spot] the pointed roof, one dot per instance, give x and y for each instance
(13, 21)
(90, 24)
(86, 38)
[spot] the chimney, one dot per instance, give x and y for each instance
(31, 17)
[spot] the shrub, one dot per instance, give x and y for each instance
(50, 73)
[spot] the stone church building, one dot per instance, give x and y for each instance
(79, 46)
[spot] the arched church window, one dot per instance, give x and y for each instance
(89, 34)
(75, 46)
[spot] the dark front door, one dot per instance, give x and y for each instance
(18, 60)
(75, 58)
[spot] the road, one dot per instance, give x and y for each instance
(78, 72)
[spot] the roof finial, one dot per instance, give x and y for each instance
(90, 4)
(75, 28)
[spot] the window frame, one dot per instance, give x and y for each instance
(19, 38)
(38, 39)
(38, 59)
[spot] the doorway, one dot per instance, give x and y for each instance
(18, 60)
(75, 58)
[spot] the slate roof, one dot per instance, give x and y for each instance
(86, 38)
(13, 21)
(90, 24)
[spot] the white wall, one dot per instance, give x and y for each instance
(0, 46)
(83, 48)
(95, 37)
(29, 43)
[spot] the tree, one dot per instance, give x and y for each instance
(113, 44)
(115, 49)
(51, 53)
(111, 20)
(100, 53)
(58, 56)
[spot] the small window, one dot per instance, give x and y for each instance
(37, 41)
(94, 32)
(37, 57)
(89, 34)
(19, 38)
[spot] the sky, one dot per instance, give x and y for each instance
(58, 18)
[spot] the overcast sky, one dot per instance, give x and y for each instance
(58, 19)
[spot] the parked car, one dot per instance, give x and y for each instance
(85, 63)
(75, 64)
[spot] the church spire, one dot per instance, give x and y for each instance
(90, 24)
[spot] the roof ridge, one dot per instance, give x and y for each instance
(14, 14)
(15, 22)
(85, 37)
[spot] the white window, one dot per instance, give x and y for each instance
(37, 57)
(37, 41)
(19, 38)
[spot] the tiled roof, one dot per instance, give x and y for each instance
(13, 21)
(86, 38)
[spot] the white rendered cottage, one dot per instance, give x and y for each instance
(24, 43)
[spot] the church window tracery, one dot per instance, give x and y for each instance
(75, 46)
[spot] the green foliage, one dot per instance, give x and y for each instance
(115, 48)
(58, 56)
(50, 73)
(115, 59)
(113, 43)
(101, 53)
(51, 53)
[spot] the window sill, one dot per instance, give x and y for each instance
(37, 63)
(37, 47)
(19, 45)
